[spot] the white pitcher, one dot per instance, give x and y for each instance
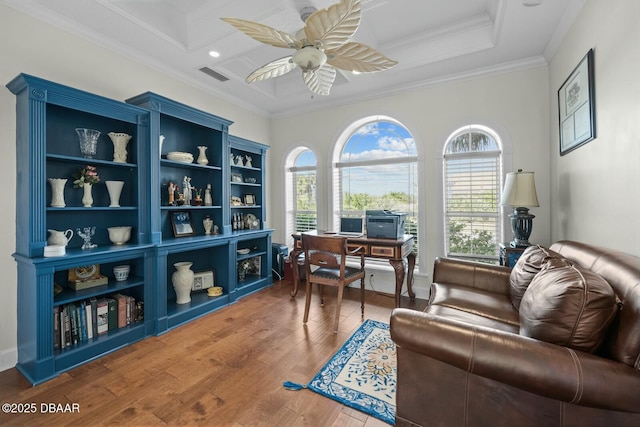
(59, 238)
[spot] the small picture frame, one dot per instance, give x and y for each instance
(249, 200)
(203, 280)
(236, 177)
(182, 224)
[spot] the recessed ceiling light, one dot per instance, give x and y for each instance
(531, 3)
(214, 54)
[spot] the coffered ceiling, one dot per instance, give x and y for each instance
(432, 40)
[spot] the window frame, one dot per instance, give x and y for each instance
(501, 156)
(291, 171)
(337, 166)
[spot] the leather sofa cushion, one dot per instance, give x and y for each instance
(568, 306)
(476, 301)
(534, 259)
(471, 318)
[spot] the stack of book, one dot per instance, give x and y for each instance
(81, 321)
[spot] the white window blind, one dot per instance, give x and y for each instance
(304, 213)
(471, 197)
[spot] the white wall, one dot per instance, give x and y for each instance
(514, 104)
(596, 188)
(29, 46)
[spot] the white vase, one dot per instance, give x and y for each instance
(182, 281)
(87, 198)
(161, 141)
(207, 223)
(120, 141)
(202, 157)
(57, 192)
(114, 188)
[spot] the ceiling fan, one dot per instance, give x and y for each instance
(321, 46)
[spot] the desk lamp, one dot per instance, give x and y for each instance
(520, 192)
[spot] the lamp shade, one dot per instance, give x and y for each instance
(519, 189)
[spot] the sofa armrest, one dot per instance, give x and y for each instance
(488, 277)
(534, 366)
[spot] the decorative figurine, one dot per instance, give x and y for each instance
(248, 162)
(86, 235)
(239, 160)
(172, 189)
(208, 201)
(186, 190)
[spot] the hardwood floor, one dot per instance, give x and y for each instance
(224, 369)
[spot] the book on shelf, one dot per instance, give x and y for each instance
(67, 327)
(122, 309)
(89, 319)
(56, 327)
(103, 316)
(131, 307)
(74, 323)
(113, 314)
(93, 301)
(73, 318)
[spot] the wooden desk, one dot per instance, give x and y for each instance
(393, 250)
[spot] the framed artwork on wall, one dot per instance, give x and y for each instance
(576, 106)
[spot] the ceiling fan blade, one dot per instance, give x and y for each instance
(272, 69)
(359, 57)
(320, 81)
(264, 33)
(335, 25)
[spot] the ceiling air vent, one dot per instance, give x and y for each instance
(216, 75)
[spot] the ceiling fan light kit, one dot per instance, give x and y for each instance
(321, 46)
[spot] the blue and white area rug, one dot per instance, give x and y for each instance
(362, 374)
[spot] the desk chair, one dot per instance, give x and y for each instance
(325, 264)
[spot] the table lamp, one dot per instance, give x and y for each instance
(520, 192)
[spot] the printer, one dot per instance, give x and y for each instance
(385, 224)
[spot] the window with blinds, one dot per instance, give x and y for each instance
(303, 179)
(472, 171)
(378, 170)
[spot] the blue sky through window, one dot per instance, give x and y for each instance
(306, 158)
(381, 160)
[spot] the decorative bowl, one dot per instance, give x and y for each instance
(214, 291)
(250, 180)
(243, 251)
(121, 272)
(180, 156)
(119, 235)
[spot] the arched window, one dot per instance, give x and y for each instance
(302, 206)
(376, 168)
(472, 185)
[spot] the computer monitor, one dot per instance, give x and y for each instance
(351, 225)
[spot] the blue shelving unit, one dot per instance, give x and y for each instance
(47, 146)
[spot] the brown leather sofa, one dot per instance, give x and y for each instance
(569, 355)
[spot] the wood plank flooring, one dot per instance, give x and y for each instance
(224, 369)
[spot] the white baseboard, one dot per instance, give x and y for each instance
(8, 358)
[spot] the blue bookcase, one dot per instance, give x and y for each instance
(47, 146)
